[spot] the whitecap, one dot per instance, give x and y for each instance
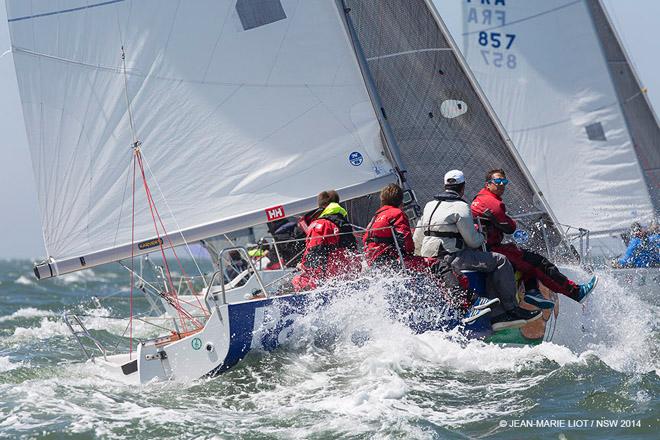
(26, 312)
(47, 329)
(6, 364)
(23, 280)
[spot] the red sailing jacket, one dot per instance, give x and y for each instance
(486, 200)
(379, 242)
(329, 250)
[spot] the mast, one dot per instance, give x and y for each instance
(391, 144)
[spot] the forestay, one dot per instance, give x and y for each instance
(438, 117)
(239, 106)
(559, 80)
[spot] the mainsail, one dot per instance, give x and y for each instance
(242, 111)
(437, 112)
(560, 81)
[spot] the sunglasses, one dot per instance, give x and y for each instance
(499, 181)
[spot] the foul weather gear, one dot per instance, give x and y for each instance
(446, 227)
(329, 248)
(491, 209)
(387, 230)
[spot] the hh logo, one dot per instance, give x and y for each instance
(275, 213)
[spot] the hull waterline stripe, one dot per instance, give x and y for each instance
(64, 11)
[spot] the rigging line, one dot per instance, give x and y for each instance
(168, 274)
(530, 17)
(154, 209)
(5, 52)
(121, 209)
(130, 322)
(151, 208)
(167, 205)
(128, 102)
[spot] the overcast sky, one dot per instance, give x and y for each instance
(637, 22)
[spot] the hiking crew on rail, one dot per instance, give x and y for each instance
(447, 231)
(489, 207)
(331, 247)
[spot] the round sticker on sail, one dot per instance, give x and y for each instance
(453, 108)
(196, 343)
(355, 158)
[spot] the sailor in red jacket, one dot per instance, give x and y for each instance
(489, 207)
(330, 245)
(388, 236)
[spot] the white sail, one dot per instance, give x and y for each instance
(239, 106)
(542, 66)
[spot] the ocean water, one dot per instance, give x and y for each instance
(326, 383)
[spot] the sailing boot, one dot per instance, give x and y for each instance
(480, 302)
(586, 289)
(535, 298)
(515, 318)
(473, 314)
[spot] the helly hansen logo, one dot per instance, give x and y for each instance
(275, 213)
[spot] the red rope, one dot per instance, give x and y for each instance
(155, 214)
(171, 245)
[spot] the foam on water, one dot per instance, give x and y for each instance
(348, 370)
(6, 364)
(23, 280)
(26, 312)
(82, 276)
(617, 325)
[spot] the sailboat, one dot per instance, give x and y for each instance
(559, 78)
(152, 125)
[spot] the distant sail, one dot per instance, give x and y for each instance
(641, 120)
(559, 80)
(239, 106)
(435, 110)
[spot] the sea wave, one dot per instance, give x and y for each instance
(26, 312)
(23, 280)
(6, 364)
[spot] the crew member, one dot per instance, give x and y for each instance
(489, 207)
(330, 245)
(643, 249)
(388, 238)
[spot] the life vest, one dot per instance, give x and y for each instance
(440, 230)
(330, 241)
(388, 230)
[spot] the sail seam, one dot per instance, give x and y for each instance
(410, 52)
(132, 72)
(64, 11)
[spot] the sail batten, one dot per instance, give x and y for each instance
(236, 107)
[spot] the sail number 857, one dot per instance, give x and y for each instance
(496, 39)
